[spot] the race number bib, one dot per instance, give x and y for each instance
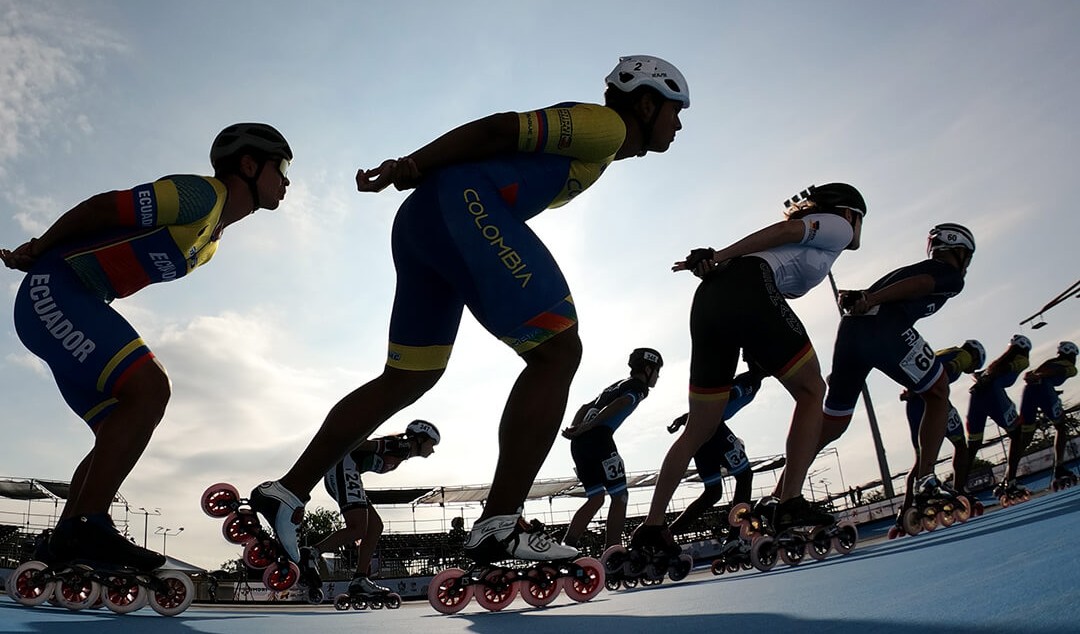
(613, 467)
(918, 360)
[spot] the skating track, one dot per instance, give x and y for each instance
(1011, 570)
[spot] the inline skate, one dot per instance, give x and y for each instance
(1011, 492)
(1063, 478)
(261, 550)
(515, 557)
(364, 593)
(936, 504)
(789, 531)
(652, 555)
(734, 555)
(86, 562)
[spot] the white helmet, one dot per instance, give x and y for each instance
(949, 235)
(978, 352)
(1020, 341)
(1067, 348)
(645, 70)
(423, 428)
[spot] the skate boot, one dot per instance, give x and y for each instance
(1063, 479)
(362, 585)
(284, 511)
(38, 549)
(1011, 492)
(94, 538)
(798, 512)
(511, 537)
(734, 554)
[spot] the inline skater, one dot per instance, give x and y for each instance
(107, 247)
(1040, 395)
(878, 331)
(461, 239)
(966, 358)
(723, 451)
(989, 400)
(592, 445)
(741, 304)
(362, 522)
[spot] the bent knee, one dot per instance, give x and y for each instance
(148, 386)
(563, 350)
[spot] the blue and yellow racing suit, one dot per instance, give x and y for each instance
(62, 314)
(461, 239)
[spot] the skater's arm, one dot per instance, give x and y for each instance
(477, 140)
(614, 409)
(92, 215)
(907, 288)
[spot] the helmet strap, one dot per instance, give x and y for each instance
(253, 184)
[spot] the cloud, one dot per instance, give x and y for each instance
(44, 54)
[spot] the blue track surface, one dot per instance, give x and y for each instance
(1011, 570)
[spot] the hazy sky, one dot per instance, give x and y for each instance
(960, 112)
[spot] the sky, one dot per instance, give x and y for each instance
(938, 112)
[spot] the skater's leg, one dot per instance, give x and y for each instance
(1018, 441)
(356, 527)
(616, 519)
(353, 419)
(120, 439)
(704, 502)
(368, 544)
(531, 419)
(805, 434)
(705, 417)
(961, 465)
(1061, 440)
(582, 517)
(932, 425)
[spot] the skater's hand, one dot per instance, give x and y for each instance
(699, 262)
(1031, 378)
(402, 173)
(904, 395)
(570, 433)
(853, 302)
(22, 258)
(677, 423)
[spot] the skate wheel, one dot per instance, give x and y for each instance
(614, 559)
(122, 595)
(30, 585)
(541, 586)
(280, 577)
(629, 583)
(963, 512)
(681, 567)
(739, 514)
(240, 528)
(718, 567)
(979, 508)
(928, 523)
(358, 604)
(896, 531)
(612, 584)
(393, 601)
(448, 593)
(911, 521)
(763, 553)
(76, 591)
(793, 554)
(819, 544)
(847, 535)
(375, 604)
(176, 593)
(587, 581)
(341, 602)
(946, 518)
(315, 596)
(259, 554)
(218, 500)
(497, 589)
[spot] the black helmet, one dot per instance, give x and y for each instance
(257, 137)
(831, 197)
(641, 357)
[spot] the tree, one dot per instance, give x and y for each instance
(318, 524)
